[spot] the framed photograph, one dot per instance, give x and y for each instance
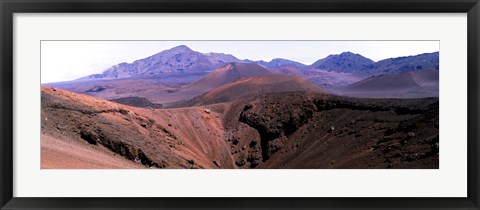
(239, 105)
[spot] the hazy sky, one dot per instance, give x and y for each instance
(68, 60)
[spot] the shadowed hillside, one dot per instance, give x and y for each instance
(320, 131)
(415, 84)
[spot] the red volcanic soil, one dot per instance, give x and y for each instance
(251, 87)
(181, 138)
(279, 130)
(229, 73)
(417, 84)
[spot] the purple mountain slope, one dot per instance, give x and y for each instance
(344, 62)
(182, 60)
(355, 63)
(426, 61)
(179, 59)
(280, 62)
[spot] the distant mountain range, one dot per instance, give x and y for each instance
(182, 59)
(177, 59)
(355, 63)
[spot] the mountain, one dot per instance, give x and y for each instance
(355, 63)
(413, 84)
(180, 59)
(229, 73)
(251, 87)
(280, 62)
(426, 61)
(344, 62)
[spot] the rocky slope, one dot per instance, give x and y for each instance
(277, 130)
(321, 131)
(148, 138)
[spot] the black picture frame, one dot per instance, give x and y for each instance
(9, 7)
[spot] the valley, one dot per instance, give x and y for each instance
(182, 109)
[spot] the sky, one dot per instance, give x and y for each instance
(69, 60)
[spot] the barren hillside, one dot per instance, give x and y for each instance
(278, 130)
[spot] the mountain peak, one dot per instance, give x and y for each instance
(344, 62)
(348, 53)
(278, 59)
(181, 48)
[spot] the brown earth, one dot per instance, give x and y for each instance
(324, 131)
(249, 88)
(59, 153)
(279, 130)
(182, 138)
(229, 73)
